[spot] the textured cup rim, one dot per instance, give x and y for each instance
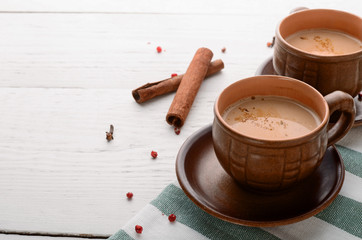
(335, 58)
(274, 142)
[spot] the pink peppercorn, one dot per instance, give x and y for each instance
(138, 228)
(129, 195)
(172, 217)
(154, 154)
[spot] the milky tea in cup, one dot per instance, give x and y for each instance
(325, 42)
(271, 117)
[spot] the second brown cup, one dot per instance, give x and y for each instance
(325, 73)
(265, 163)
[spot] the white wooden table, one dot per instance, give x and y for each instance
(67, 69)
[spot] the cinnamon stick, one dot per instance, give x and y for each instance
(151, 90)
(189, 87)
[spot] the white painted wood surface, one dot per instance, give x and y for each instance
(67, 69)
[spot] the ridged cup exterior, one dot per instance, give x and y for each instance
(326, 76)
(266, 165)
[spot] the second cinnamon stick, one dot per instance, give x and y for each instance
(152, 90)
(189, 87)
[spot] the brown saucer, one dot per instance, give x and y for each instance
(207, 184)
(266, 68)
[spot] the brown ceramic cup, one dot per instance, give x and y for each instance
(325, 73)
(272, 165)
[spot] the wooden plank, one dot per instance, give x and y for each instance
(246, 7)
(119, 51)
(36, 237)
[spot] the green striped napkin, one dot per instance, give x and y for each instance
(341, 220)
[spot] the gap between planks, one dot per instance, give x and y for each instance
(55, 234)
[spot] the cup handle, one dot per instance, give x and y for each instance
(342, 102)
